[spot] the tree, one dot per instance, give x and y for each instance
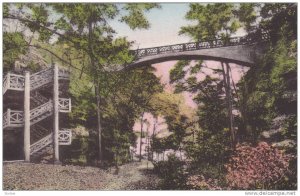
(213, 21)
(14, 44)
(85, 28)
(262, 88)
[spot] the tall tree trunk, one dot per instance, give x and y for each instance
(97, 90)
(98, 100)
(153, 135)
(142, 116)
(227, 86)
(230, 108)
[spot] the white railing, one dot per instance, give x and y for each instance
(216, 43)
(40, 110)
(5, 84)
(13, 82)
(64, 105)
(63, 74)
(12, 118)
(37, 146)
(15, 118)
(65, 137)
(41, 78)
(38, 79)
(16, 82)
(5, 120)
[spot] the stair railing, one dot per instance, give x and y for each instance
(6, 122)
(42, 143)
(64, 105)
(5, 83)
(41, 78)
(38, 79)
(46, 107)
(65, 137)
(13, 82)
(14, 118)
(63, 74)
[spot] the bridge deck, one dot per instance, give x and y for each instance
(242, 50)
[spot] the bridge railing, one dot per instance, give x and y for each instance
(217, 43)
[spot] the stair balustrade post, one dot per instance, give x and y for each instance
(8, 116)
(70, 105)
(8, 81)
(55, 115)
(27, 117)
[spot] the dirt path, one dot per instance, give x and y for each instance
(29, 176)
(134, 176)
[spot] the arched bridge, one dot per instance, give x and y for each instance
(241, 50)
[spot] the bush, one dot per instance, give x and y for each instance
(172, 173)
(261, 167)
(76, 153)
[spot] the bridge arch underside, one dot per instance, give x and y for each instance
(244, 55)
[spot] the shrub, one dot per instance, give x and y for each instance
(171, 172)
(260, 167)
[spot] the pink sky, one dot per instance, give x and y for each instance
(163, 70)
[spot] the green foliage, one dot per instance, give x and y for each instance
(135, 18)
(76, 153)
(86, 42)
(212, 20)
(196, 68)
(290, 127)
(263, 87)
(126, 94)
(247, 15)
(117, 144)
(5, 9)
(177, 73)
(172, 173)
(14, 45)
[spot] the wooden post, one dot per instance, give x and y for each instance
(27, 117)
(8, 81)
(70, 105)
(141, 144)
(230, 107)
(55, 115)
(229, 101)
(8, 116)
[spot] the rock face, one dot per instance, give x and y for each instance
(32, 56)
(276, 128)
(274, 135)
(285, 144)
